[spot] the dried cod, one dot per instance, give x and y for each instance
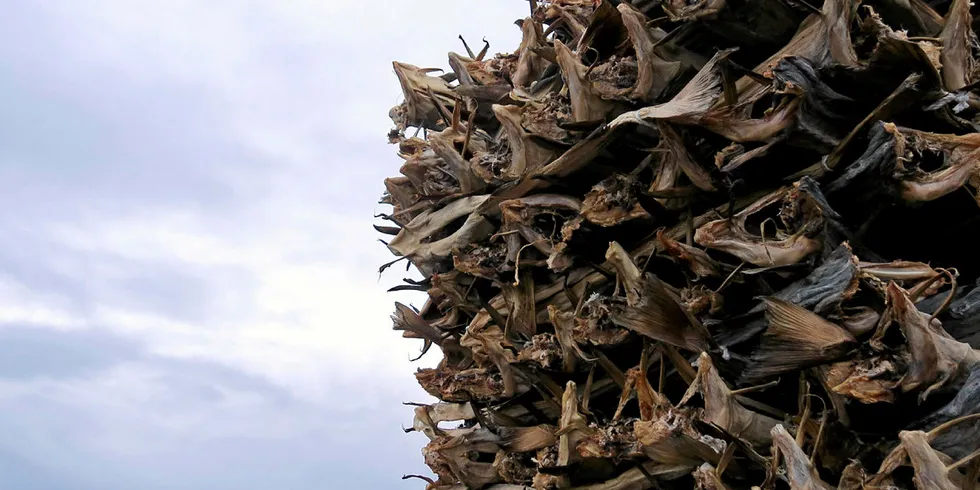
(697, 244)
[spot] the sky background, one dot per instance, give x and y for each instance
(189, 296)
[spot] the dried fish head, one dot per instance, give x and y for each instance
(615, 441)
(422, 94)
(597, 328)
(449, 458)
(530, 65)
(586, 104)
(690, 103)
(614, 201)
(722, 409)
(960, 155)
(542, 350)
(462, 385)
(420, 239)
(699, 298)
(936, 358)
(706, 477)
(653, 74)
(572, 428)
(697, 260)
(651, 309)
(930, 471)
(428, 417)
(799, 470)
(731, 236)
(529, 154)
(540, 220)
(872, 380)
(672, 440)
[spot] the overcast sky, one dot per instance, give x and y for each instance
(189, 295)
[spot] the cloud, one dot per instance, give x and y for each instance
(29, 353)
(189, 294)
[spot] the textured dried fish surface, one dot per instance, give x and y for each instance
(796, 339)
(722, 409)
(696, 244)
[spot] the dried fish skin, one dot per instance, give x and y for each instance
(702, 9)
(901, 152)
(428, 417)
(414, 326)
(481, 71)
(964, 438)
(828, 286)
(572, 428)
(963, 321)
(877, 160)
(860, 321)
(698, 261)
(527, 439)
(666, 434)
(853, 477)
(899, 270)
(672, 141)
(672, 440)
(574, 14)
(811, 114)
(563, 324)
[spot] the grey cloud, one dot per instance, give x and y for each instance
(362, 448)
(177, 291)
(151, 151)
(202, 378)
(27, 352)
(20, 473)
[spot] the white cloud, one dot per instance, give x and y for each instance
(20, 304)
(310, 318)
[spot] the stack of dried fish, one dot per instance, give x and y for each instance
(698, 244)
